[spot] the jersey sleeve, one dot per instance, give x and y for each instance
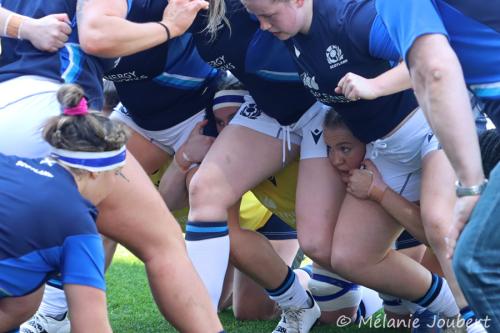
(83, 261)
(381, 45)
(358, 24)
(407, 20)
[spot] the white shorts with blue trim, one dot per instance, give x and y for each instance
(307, 132)
(170, 139)
(399, 156)
(26, 103)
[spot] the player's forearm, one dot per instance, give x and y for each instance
(440, 88)
(393, 81)
(110, 36)
(173, 188)
(405, 212)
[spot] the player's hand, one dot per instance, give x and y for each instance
(355, 87)
(461, 215)
(366, 182)
(195, 148)
(48, 33)
(180, 14)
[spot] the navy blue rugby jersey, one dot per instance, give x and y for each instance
(70, 64)
(258, 59)
(46, 228)
(339, 42)
(164, 85)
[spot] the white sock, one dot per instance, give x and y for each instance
(476, 327)
(439, 298)
(291, 294)
(53, 302)
(208, 247)
(371, 301)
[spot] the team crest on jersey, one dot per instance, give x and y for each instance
(309, 81)
(335, 56)
(251, 111)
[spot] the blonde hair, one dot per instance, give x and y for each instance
(216, 16)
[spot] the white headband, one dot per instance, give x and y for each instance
(91, 161)
(229, 98)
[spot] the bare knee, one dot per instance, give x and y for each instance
(207, 189)
(342, 263)
(316, 249)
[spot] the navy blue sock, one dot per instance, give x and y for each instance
(468, 315)
(287, 283)
(432, 293)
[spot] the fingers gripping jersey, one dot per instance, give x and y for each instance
(340, 41)
(46, 228)
(165, 85)
(70, 64)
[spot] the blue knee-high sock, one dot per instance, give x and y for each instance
(208, 247)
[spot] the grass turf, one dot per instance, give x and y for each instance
(131, 307)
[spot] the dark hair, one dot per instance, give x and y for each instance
(111, 98)
(489, 143)
(92, 132)
(333, 120)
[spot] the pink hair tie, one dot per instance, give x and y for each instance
(80, 110)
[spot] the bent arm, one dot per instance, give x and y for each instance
(405, 212)
(440, 88)
(393, 81)
(87, 309)
(104, 31)
(173, 187)
(356, 87)
(48, 33)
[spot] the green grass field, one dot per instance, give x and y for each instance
(132, 310)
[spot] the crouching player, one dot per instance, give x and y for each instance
(48, 214)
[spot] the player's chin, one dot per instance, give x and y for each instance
(281, 35)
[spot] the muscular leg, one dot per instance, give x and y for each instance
(250, 300)
(15, 310)
(149, 156)
(238, 160)
(136, 216)
(319, 196)
(361, 251)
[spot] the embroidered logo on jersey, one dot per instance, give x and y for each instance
(334, 56)
(316, 134)
(126, 77)
(251, 111)
(309, 81)
(220, 63)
